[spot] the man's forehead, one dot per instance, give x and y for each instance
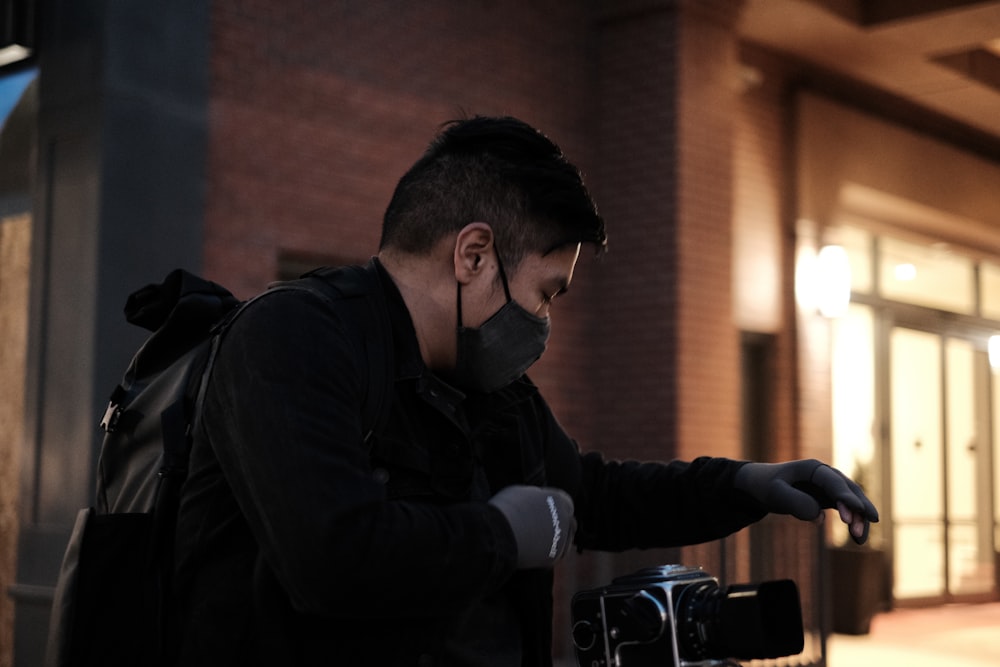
(558, 264)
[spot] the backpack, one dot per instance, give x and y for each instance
(111, 604)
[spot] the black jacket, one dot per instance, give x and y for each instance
(298, 544)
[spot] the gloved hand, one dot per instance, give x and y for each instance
(804, 488)
(542, 521)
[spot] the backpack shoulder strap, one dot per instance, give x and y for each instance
(360, 289)
(355, 287)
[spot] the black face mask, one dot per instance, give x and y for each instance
(503, 348)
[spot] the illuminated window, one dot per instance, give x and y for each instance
(858, 244)
(989, 276)
(926, 275)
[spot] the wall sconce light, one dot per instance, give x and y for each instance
(823, 281)
(832, 281)
(993, 347)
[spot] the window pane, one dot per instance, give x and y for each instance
(858, 244)
(996, 457)
(926, 275)
(960, 429)
(919, 560)
(970, 553)
(990, 279)
(970, 570)
(917, 448)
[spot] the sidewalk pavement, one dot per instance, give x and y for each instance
(960, 635)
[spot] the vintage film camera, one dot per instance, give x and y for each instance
(677, 616)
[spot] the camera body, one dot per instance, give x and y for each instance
(678, 616)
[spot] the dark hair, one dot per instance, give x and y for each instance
(500, 171)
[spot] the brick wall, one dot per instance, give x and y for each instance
(636, 189)
(763, 214)
(708, 354)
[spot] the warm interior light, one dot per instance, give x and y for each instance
(905, 272)
(994, 351)
(832, 281)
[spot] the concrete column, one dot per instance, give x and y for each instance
(117, 201)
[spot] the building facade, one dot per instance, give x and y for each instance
(757, 162)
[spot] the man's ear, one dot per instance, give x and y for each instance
(473, 247)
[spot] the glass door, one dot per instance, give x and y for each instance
(916, 450)
(942, 530)
(969, 555)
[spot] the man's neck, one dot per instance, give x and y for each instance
(421, 281)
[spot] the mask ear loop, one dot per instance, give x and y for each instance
(503, 279)
(503, 274)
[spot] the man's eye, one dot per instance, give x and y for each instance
(551, 297)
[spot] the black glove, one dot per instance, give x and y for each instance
(805, 488)
(542, 521)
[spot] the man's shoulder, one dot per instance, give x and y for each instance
(338, 290)
(336, 282)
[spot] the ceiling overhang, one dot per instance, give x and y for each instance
(943, 56)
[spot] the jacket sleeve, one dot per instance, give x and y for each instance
(630, 504)
(283, 415)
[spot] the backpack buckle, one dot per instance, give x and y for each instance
(114, 411)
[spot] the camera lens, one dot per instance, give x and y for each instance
(746, 621)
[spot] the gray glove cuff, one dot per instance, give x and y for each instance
(541, 519)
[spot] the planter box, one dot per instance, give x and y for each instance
(856, 588)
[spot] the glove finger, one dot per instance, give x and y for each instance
(857, 524)
(839, 488)
(784, 499)
(846, 515)
(863, 537)
(869, 510)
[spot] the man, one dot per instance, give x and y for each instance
(313, 534)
